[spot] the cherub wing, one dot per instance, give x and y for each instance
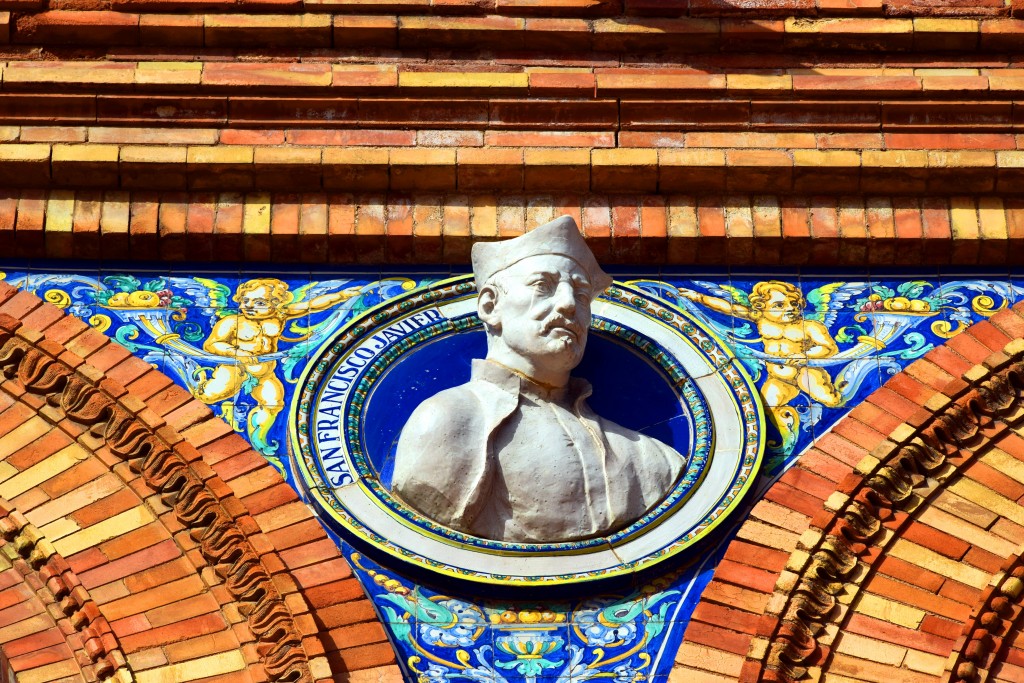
(828, 299)
(723, 291)
(206, 293)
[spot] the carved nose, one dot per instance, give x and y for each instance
(565, 299)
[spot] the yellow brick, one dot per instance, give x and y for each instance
(989, 499)
(886, 610)
(940, 25)
(894, 158)
(682, 216)
(256, 219)
(681, 673)
(366, 156)
(780, 516)
(282, 21)
(1005, 463)
(118, 525)
(59, 528)
(829, 158)
(624, 157)
(42, 470)
(169, 66)
(931, 560)
(836, 501)
(759, 82)
(456, 79)
(214, 665)
(70, 72)
(959, 158)
(60, 211)
(15, 152)
(176, 73)
(152, 154)
(842, 71)
(425, 156)
(321, 669)
(690, 26)
(115, 215)
(946, 72)
(95, 153)
(869, 648)
(483, 216)
(963, 217)
(1010, 159)
(992, 216)
(287, 155)
(227, 154)
(709, 658)
(692, 157)
(801, 25)
(925, 662)
(556, 156)
(830, 677)
(764, 534)
(426, 23)
(965, 531)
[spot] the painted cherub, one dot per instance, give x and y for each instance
(247, 337)
(790, 338)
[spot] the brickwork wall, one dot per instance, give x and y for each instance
(725, 132)
(891, 551)
(785, 131)
(142, 539)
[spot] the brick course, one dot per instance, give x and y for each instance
(146, 601)
(917, 600)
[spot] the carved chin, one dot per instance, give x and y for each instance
(565, 346)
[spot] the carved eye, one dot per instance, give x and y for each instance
(542, 286)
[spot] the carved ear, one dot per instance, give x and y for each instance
(486, 302)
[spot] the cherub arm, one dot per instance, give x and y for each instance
(818, 343)
(717, 304)
(320, 303)
(222, 337)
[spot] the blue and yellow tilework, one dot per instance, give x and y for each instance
(815, 344)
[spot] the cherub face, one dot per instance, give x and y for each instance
(257, 304)
(780, 308)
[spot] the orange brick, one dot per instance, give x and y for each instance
(488, 168)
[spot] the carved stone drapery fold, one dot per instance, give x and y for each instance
(80, 394)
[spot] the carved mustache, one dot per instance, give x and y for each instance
(562, 323)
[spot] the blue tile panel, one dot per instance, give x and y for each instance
(817, 344)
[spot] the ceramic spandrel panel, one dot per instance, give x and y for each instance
(813, 346)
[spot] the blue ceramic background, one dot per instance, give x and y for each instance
(636, 396)
(630, 634)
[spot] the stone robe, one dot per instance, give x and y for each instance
(501, 458)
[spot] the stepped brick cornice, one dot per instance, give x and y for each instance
(317, 27)
(399, 228)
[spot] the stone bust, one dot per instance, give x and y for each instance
(516, 454)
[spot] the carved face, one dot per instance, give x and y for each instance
(780, 308)
(542, 310)
(257, 304)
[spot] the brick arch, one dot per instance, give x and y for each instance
(142, 539)
(892, 550)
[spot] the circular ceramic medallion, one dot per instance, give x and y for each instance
(654, 370)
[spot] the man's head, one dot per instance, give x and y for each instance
(534, 298)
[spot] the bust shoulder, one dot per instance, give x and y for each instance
(441, 416)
